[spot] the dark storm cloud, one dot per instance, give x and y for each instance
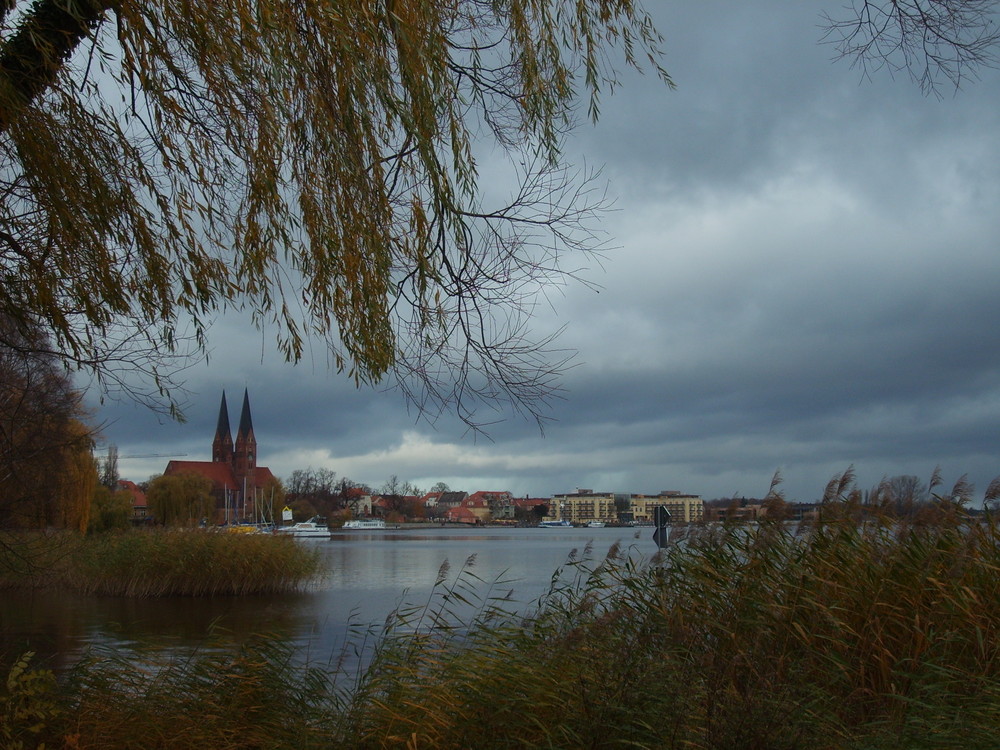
(804, 278)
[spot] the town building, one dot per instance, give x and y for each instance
(139, 507)
(444, 500)
(500, 504)
(239, 485)
(584, 506)
(682, 508)
(461, 514)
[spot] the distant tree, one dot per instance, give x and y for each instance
(108, 468)
(311, 482)
(401, 499)
(349, 494)
(110, 510)
(395, 506)
(905, 493)
(75, 485)
(302, 510)
(411, 490)
(622, 504)
(440, 487)
(415, 510)
(317, 487)
(45, 446)
(180, 499)
(391, 486)
(533, 514)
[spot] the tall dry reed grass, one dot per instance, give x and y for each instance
(837, 636)
(157, 562)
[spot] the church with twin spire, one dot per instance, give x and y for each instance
(236, 478)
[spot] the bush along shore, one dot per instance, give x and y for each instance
(842, 635)
(156, 562)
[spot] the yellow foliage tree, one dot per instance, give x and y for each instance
(181, 499)
(110, 510)
(47, 473)
(76, 482)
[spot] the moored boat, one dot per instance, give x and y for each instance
(314, 528)
(365, 524)
(595, 525)
(555, 524)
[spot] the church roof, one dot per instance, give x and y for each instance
(221, 474)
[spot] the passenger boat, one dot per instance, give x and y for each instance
(595, 525)
(365, 524)
(314, 528)
(555, 524)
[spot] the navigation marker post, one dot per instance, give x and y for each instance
(661, 518)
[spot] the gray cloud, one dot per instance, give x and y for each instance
(804, 278)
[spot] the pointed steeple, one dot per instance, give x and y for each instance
(222, 445)
(246, 423)
(245, 453)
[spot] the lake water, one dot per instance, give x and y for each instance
(369, 575)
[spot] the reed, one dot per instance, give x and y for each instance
(158, 562)
(844, 635)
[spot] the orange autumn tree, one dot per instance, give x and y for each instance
(47, 471)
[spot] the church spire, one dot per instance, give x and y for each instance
(222, 445)
(246, 423)
(245, 452)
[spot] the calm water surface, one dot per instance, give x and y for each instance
(369, 575)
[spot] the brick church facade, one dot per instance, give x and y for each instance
(238, 483)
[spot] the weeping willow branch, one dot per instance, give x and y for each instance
(311, 164)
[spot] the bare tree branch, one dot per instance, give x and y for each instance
(932, 40)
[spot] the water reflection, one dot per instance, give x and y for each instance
(369, 574)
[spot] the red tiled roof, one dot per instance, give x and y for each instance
(220, 474)
(487, 495)
(461, 515)
(262, 475)
(138, 496)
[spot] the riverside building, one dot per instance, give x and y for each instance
(584, 506)
(682, 508)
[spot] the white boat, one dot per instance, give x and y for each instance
(314, 528)
(365, 524)
(595, 525)
(555, 524)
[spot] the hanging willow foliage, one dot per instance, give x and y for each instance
(312, 163)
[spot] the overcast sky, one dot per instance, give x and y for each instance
(804, 278)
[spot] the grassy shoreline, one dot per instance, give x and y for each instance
(155, 562)
(844, 636)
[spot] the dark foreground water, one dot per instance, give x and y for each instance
(369, 575)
